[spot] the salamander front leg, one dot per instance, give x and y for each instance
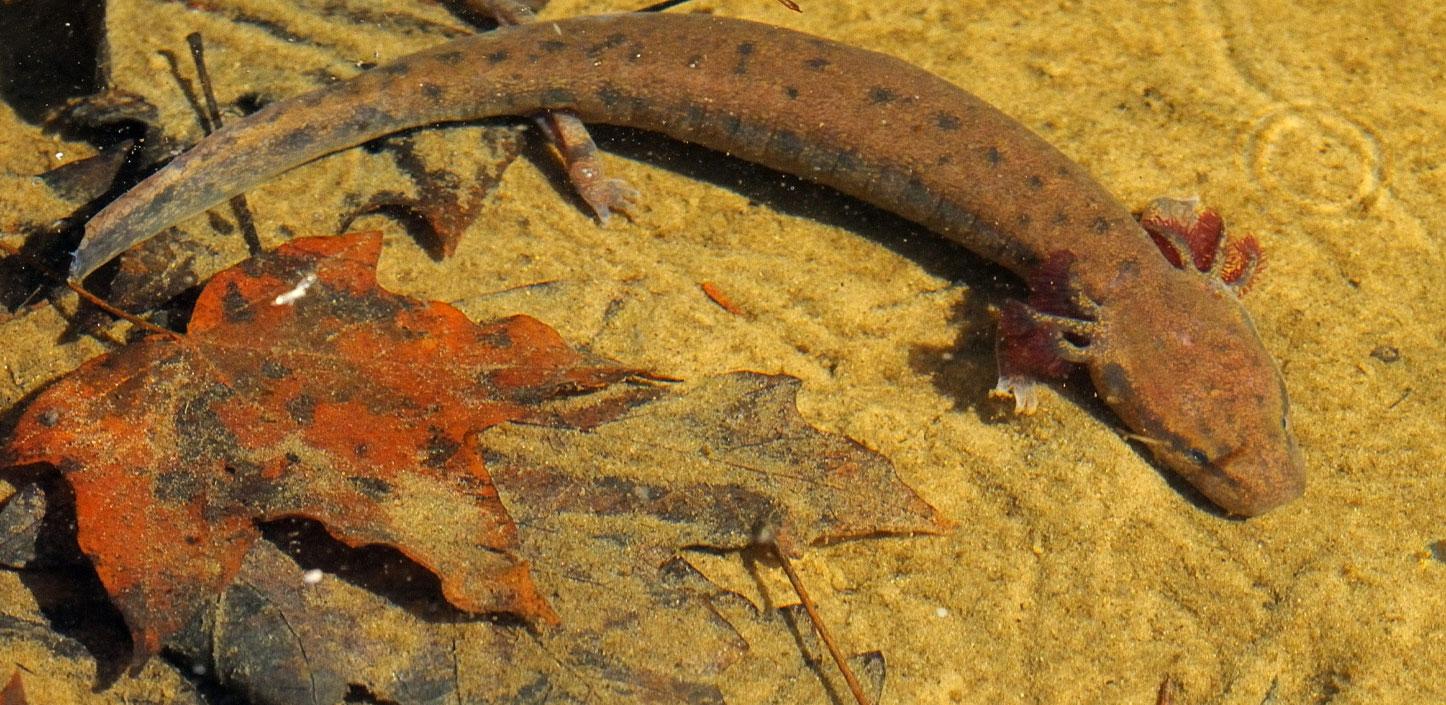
(1042, 340)
(1034, 348)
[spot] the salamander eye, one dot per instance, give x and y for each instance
(1197, 456)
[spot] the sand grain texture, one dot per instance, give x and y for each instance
(1081, 573)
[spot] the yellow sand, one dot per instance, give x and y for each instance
(1079, 573)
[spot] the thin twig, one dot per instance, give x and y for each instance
(822, 629)
(84, 293)
(211, 121)
(198, 57)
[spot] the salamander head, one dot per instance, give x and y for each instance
(1184, 368)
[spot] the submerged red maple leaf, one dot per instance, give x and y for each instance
(301, 389)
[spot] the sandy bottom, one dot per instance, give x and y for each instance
(1080, 572)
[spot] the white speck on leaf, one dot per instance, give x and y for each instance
(298, 291)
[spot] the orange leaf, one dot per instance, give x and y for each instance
(301, 389)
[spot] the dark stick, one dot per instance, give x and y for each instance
(822, 629)
(213, 111)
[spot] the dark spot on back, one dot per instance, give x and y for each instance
(432, 91)
(916, 193)
(353, 87)
(1061, 217)
(947, 122)
(558, 97)
(552, 46)
(944, 160)
(745, 52)
(1035, 182)
(610, 97)
(879, 95)
(695, 61)
(732, 124)
(697, 115)
(368, 118)
(1101, 225)
(1024, 219)
(817, 63)
(295, 140)
(785, 142)
(993, 156)
(791, 92)
(393, 70)
(612, 41)
(497, 57)
(450, 58)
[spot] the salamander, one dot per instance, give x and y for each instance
(1150, 311)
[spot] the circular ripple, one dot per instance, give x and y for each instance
(1315, 157)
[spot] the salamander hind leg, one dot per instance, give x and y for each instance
(1044, 339)
(603, 194)
(1181, 229)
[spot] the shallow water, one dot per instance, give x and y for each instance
(1080, 572)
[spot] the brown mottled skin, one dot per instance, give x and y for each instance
(1170, 350)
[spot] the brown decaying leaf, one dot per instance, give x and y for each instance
(21, 515)
(277, 643)
(301, 389)
(722, 462)
(708, 469)
(88, 178)
(447, 202)
(14, 691)
(605, 502)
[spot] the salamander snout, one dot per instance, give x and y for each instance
(1244, 481)
(1232, 442)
